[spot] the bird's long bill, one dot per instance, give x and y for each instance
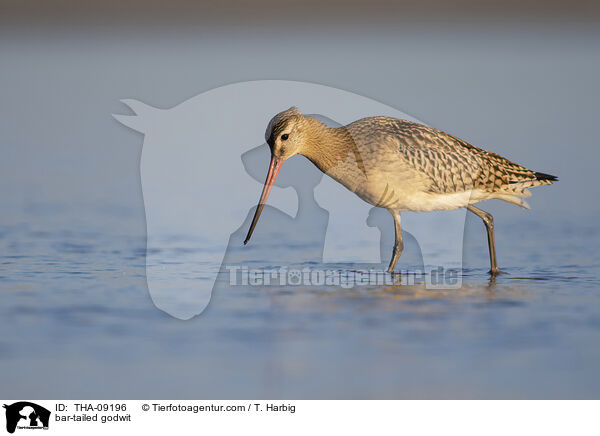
(274, 168)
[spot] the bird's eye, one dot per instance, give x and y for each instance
(285, 136)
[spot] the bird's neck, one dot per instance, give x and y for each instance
(326, 146)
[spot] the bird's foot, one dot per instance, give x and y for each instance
(495, 271)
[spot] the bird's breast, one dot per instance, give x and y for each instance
(382, 184)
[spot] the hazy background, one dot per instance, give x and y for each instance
(520, 78)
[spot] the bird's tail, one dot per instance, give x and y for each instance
(534, 179)
(517, 188)
(547, 178)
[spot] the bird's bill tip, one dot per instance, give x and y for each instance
(274, 168)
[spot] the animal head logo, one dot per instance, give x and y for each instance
(24, 414)
(202, 168)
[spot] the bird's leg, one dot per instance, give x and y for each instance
(398, 244)
(488, 220)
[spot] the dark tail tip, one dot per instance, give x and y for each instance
(542, 176)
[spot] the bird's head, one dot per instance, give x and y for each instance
(286, 135)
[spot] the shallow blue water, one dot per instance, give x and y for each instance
(75, 311)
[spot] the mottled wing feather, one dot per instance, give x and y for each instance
(451, 164)
(499, 174)
(451, 168)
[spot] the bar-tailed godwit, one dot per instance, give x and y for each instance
(400, 166)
